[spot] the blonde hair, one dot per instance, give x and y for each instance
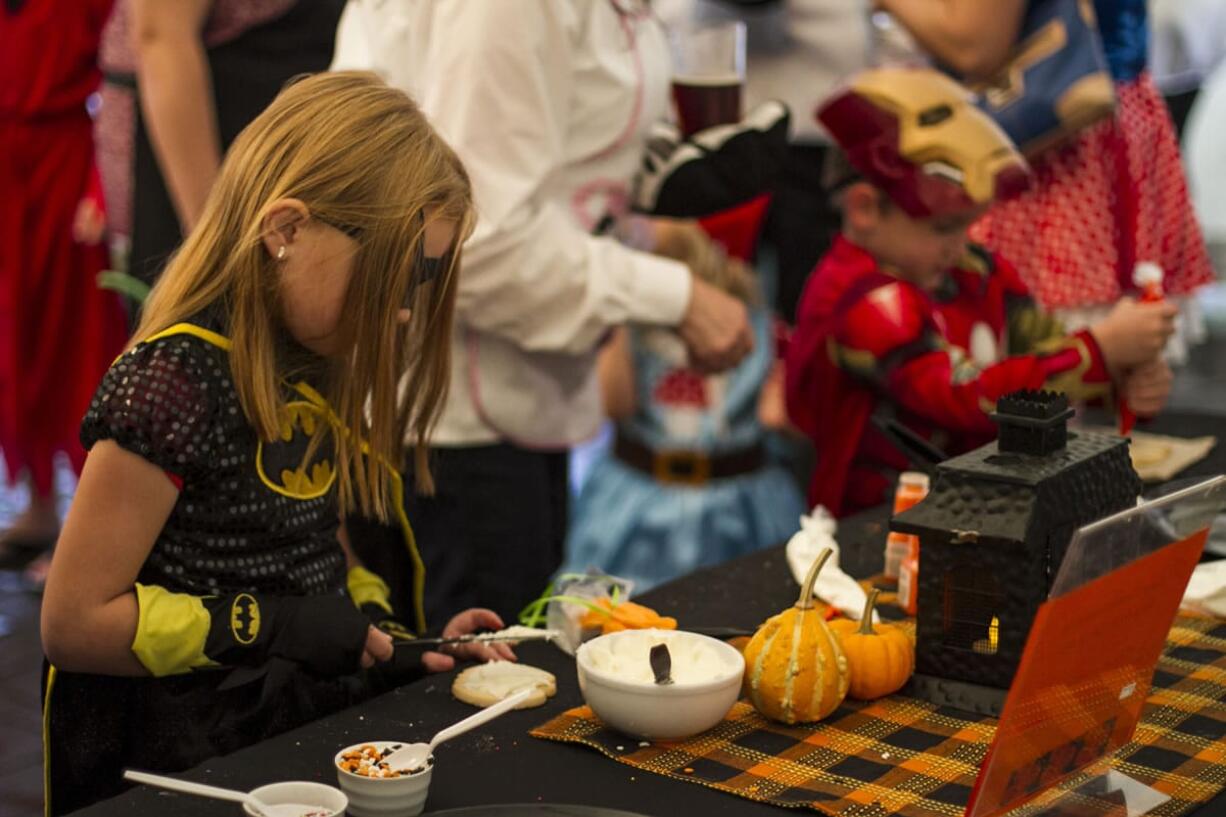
(707, 260)
(360, 154)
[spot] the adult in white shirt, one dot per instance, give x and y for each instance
(548, 104)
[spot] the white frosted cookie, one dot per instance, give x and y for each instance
(1149, 452)
(487, 684)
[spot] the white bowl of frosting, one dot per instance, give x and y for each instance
(618, 683)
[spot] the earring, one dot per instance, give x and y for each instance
(281, 253)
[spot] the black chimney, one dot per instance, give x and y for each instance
(1032, 422)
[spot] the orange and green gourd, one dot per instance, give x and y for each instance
(795, 670)
(881, 656)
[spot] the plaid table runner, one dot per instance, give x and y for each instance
(908, 757)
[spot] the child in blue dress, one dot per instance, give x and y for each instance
(686, 483)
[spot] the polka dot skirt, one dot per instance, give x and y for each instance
(1096, 206)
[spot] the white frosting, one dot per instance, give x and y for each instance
(502, 679)
(627, 657)
(519, 631)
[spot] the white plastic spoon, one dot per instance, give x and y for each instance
(415, 755)
(202, 790)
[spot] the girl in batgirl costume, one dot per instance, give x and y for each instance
(202, 596)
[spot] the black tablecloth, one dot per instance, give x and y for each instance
(1181, 424)
(501, 763)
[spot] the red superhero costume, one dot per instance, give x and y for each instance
(58, 331)
(867, 342)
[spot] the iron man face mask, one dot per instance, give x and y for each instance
(914, 133)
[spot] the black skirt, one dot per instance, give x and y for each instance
(95, 726)
(247, 73)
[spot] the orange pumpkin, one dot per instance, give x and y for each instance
(881, 656)
(795, 671)
(740, 643)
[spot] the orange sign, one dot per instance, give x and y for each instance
(1084, 676)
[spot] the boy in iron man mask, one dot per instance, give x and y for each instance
(904, 319)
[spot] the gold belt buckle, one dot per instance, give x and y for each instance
(681, 467)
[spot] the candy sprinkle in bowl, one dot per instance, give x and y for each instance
(371, 794)
(618, 679)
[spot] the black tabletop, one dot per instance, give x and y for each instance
(1182, 424)
(533, 810)
(501, 763)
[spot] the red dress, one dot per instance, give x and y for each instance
(58, 331)
(1114, 196)
(867, 342)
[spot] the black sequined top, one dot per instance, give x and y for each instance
(250, 517)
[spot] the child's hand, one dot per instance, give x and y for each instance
(378, 647)
(715, 328)
(469, 621)
(1134, 333)
(88, 222)
(1147, 387)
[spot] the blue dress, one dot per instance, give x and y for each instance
(627, 524)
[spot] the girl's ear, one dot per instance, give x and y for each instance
(280, 226)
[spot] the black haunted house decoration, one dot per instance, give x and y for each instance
(993, 531)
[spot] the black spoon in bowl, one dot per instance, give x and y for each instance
(661, 664)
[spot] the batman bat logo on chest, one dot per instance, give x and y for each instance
(288, 465)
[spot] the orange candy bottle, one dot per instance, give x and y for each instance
(912, 487)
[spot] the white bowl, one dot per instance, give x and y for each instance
(638, 706)
(300, 793)
(377, 796)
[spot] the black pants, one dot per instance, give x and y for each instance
(491, 536)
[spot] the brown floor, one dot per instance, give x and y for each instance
(1200, 387)
(21, 789)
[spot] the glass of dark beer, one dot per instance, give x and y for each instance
(708, 72)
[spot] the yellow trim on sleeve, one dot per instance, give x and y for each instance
(47, 741)
(367, 588)
(1072, 381)
(170, 632)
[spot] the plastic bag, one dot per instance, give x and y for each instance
(833, 585)
(568, 599)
